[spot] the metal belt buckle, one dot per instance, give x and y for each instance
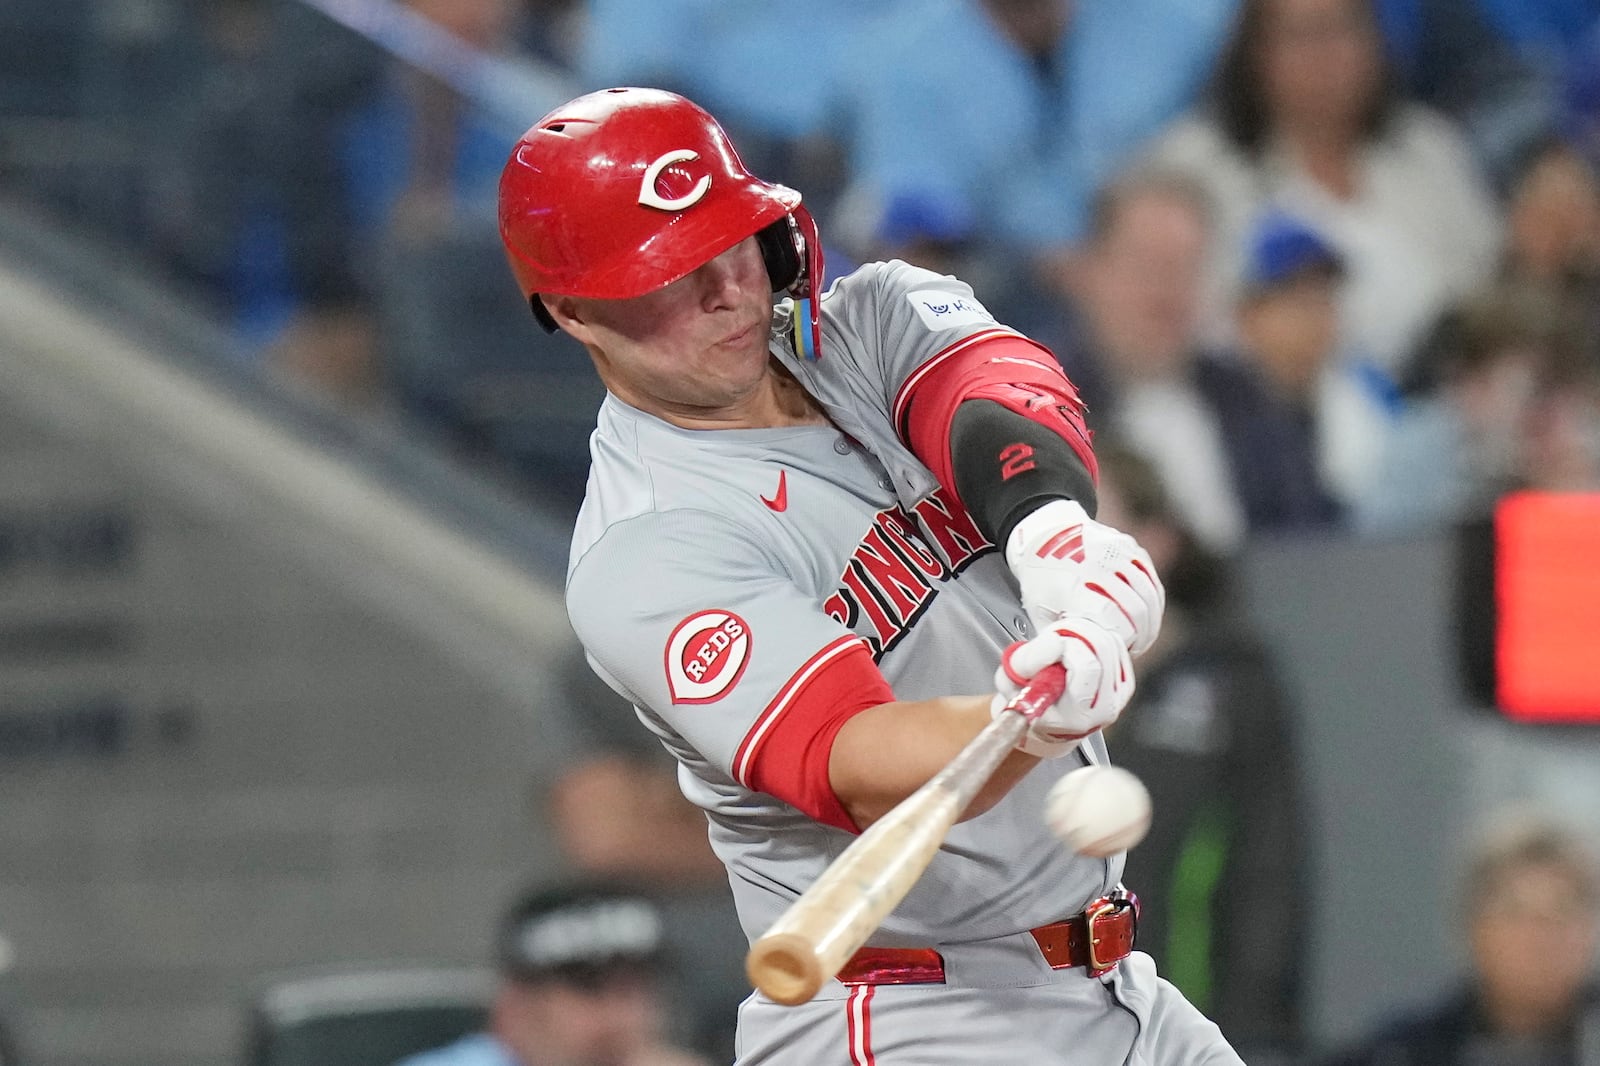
(1106, 906)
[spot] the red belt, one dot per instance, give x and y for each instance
(1097, 939)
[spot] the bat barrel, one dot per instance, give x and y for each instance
(824, 927)
(786, 968)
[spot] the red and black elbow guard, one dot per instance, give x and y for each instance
(997, 421)
(1006, 465)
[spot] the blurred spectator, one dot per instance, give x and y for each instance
(553, 31)
(617, 814)
(217, 218)
(421, 155)
(771, 79)
(1289, 328)
(1561, 446)
(1232, 455)
(1530, 906)
(1306, 116)
(378, 160)
(1012, 112)
(1553, 232)
(1505, 359)
(460, 358)
(937, 234)
(251, 204)
(1222, 872)
(1497, 77)
(579, 970)
(1550, 25)
(1581, 95)
(422, 166)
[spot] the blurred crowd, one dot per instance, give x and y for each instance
(1326, 266)
(1329, 264)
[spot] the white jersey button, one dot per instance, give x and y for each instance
(841, 446)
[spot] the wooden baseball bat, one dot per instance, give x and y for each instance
(834, 917)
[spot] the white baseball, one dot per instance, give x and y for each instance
(1098, 810)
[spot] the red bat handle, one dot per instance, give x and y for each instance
(1041, 691)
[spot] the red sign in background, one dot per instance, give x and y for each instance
(1547, 596)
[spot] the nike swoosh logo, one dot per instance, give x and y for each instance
(780, 501)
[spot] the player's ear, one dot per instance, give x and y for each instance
(567, 312)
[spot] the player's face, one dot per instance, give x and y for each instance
(696, 348)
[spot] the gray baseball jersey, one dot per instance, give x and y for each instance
(714, 574)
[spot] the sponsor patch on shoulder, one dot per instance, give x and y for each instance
(945, 310)
(706, 655)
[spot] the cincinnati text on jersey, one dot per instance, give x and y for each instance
(894, 575)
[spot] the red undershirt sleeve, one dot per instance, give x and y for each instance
(787, 750)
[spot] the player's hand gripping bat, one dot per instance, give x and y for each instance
(834, 917)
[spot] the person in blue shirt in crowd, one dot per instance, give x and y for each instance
(1580, 96)
(1017, 109)
(579, 970)
(771, 80)
(1495, 67)
(1545, 24)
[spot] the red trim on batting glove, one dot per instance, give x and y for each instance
(786, 752)
(995, 364)
(1081, 639)
(1005, 663)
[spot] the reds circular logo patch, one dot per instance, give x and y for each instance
(706, 655)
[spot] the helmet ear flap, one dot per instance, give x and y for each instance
(780, 252)
(806, 286)
(541, 314)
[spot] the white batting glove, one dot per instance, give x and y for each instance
(1070, 566)
(1099, 683)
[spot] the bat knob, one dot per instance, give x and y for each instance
(785, 968)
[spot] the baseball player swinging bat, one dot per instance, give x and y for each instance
(808, 557)
(837, 914)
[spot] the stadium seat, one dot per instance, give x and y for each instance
(365, 1018)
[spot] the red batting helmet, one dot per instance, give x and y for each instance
(620, 192)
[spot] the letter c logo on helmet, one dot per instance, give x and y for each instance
(650, 186)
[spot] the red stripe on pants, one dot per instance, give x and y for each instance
(858, 1017)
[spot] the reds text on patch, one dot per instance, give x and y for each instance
(706, 655)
